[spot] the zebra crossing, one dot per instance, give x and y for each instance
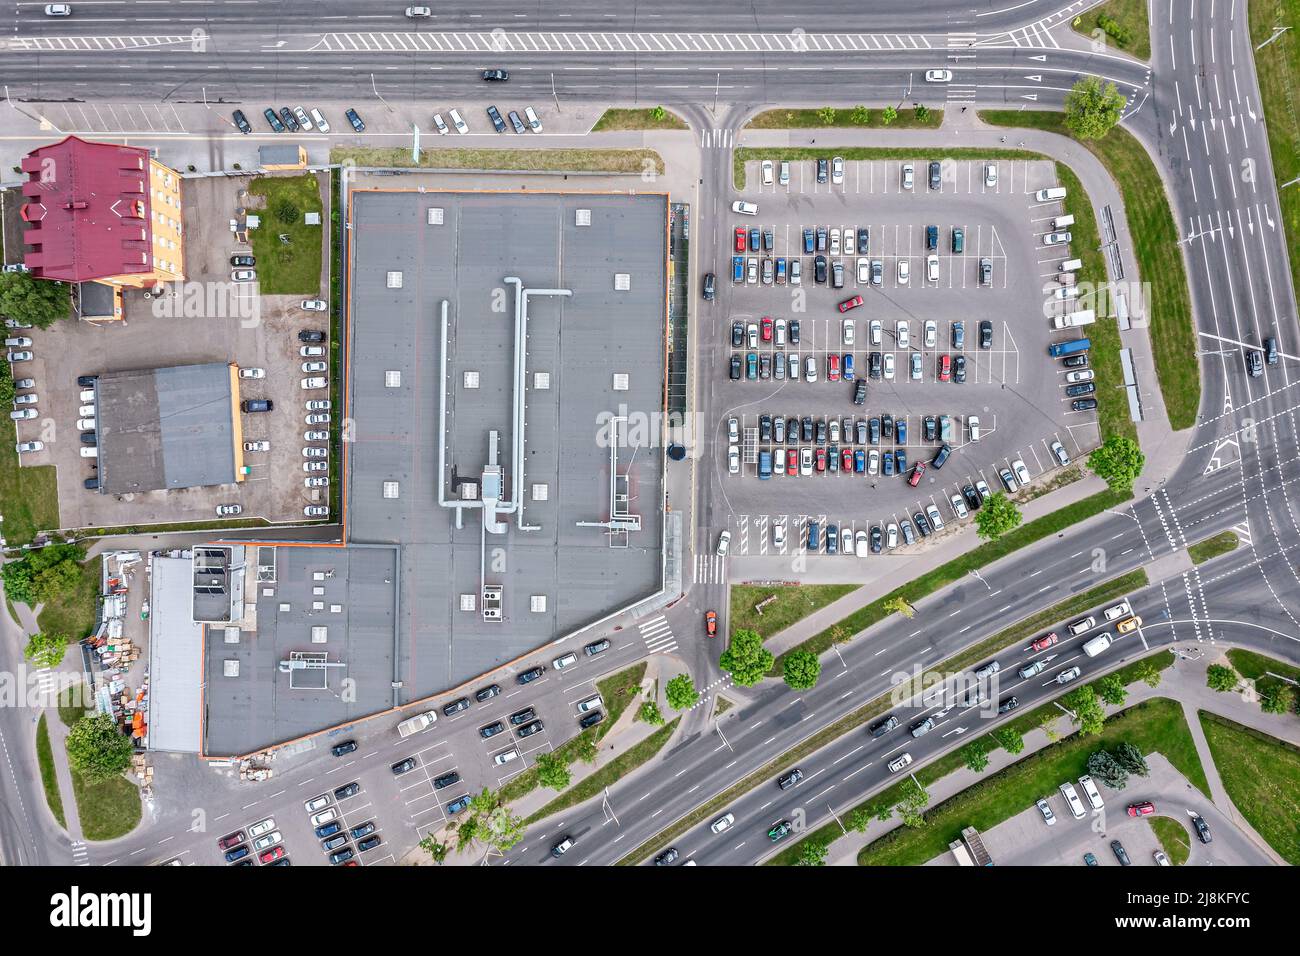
(502, 41)
(80, 855)
(658, 635)
(717, 138)
(710, 569)
(47, 684)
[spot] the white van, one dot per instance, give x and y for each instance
(1090, 791)
(568, 660)
(744, 208)
(1078, 627)
(1116, 611)
(1062, 222)
(86, 424)
(506, 757)
(1070, 265)
(1049, 194)
(591, 703)
(1072, 800)
(1098, 644)
(1075, 319)
(89, 451)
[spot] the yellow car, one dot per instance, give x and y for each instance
(1129, 624)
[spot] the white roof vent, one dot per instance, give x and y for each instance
(435, 216)
(537, 604)
(622, 281)
(232, 635)
(391, 489)
(541, 491)
(583, 217)
(541, 381)
(230, 668)
(471, 379)
(392, 379)
(467, 602)
(620, 381)
(319, 633)
(394, 280)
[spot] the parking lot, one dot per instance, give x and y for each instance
(950, 333)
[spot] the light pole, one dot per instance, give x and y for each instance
(374, 87)
(555, 95)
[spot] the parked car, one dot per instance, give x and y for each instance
(355, 119)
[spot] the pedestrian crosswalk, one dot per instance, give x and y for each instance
(47, 686)
(658, 635)
(79, 854)
(710, 569)
(717, 138)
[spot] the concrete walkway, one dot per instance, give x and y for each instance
(63, 772)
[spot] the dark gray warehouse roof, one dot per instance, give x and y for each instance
(165, 428)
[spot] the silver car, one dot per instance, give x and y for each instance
(315, 435)
(315, 452)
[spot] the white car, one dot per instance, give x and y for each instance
(259, 445)
(805, 461)
(733, 459)
(835, 242)
(723, 822)
(311, 351)
(318, 381)
(891, 536)
(1056, 238)
(733, 430)
(889, 366)
(899, 762)
(793, 363)
(243, 275)
(909, 175)
(783, 177)
(902, 333)
(864, 271)
(229, 511)
(1048, 816)
(86, 424)
(29, 399)
(530, 116)
(724, 543)
(1079, 375)
(252, 373)
(315, 466)
(958, 506)
(781, 328)
(931, 333)
(268, 841)
(938, 76)
(877, 332)
(440, 124)
(315, 435)
(456, 121)
(848, 333)
(973, 424)
(936, 519)
(932, 267)
(317, 803)
(318, 405)
(414, 12)
(317, 481)
(26, 446)
(751, 335)
(262, 826)
(1058, 450)
(837, 170)
(810, 369)
(303, 119)
(1022, 473)
(848, 240)
(315, 305)
(315, 451)
(769, 172)
(18, 342)
(904, 271)
(991, 175)
(316, 511)
(321, 125)
(744, 208)
(778, 536)
(309, 367)
(58, 9)
(328, 815)
(861, 546)
(873, 462)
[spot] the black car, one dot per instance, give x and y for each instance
(403, 766)
(591, 720)
(819, 270)
(823, 168)
(328, 829)
(527, 730)
(1075, 361)
(1083, 388)
(597, 647)
(931, 236)
(456, 706)
(986, 334)
(735, 367)
(806, 428)
(1008, 705)
(930, 428)
(342, 856)
(1120, 854)
(89, 438)
(346, 747)
(887, 426)
(241, 121)
(487, 693)
(1202, 829)
(291, 121)
(250, 405)
(1083, 404)
(491, 730)
(515, 122)
(87, 381)
(940, 457)
(786, 781)
(875, 365)
(530, 675)
(791, 430)
(243, 261)
(710, 280)
(446, 780)
(355, 119)
(496, 76)
(311, 335)
(884, 726)
(972, 497)
(347, 790)
(864, 240)
(365, 829)
(1255, 362)
(821, 431)
(667, 857)
(922, 523)
(497, 122)
(273, 120)
(1270, 351)
(959, 335)
(764, 427)
(860, 392)
(737, 335)
(959, 370)
(936, 174)
(522, 716)
(369, 843)
(877, 539)
(91, 484)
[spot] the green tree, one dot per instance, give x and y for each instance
(922, 112)
(976, 754)
(888, 115)
(658, 114)
(910, 808)
(97, 749)
(1092, 107)
(746, 659)
(1009, 739)
(899, 605)
(1106, 768)
(1088, 713)
(682, 693)
(552, 771)
(1118, 461)
(861, 116)
(1277, 700)
(998, 516)
(812, 851)
(827, 115)
(1111, 689)
(489, 821)
(44, 574)
(46, 650)
(1147, 672)
(859, 818)
(651, 714)
(1131, 759)
(1220, 678)
(584, 747)
(6, 384)
(801, 670)
(436, 849)
(38, 301)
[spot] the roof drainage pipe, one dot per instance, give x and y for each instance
(459, 506)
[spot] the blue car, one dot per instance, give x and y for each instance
(859, 461)
(812, 535)
(751, 366)
(847, 371)
(807, 242)
(888, 464)
(737, 268)
(457, 805)
(832, 539)
(753, 240)
(900, 430)
(900, 461)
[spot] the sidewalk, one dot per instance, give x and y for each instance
(63, 772)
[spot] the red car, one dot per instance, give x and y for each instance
(741, 239)
(846, 460)
(767, 329)
(711, 623)
(792, 462)
(918, 470)
(852, 303)
(821, 459)
(832, 368)
(1143, 809)
(945, 368)
(272, 854)
(1044, 642)
(234, 839)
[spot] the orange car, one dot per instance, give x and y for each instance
(711, 623)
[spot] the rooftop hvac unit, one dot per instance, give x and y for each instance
(622, 281)
(435, 216)
(492, 602)
(583, 217)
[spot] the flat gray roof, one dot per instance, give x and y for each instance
(175, 660)
(165, 428)
(356, 604)
(579, 342)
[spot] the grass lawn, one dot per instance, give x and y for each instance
(582, 160)
(1131, 15)
(792, 604)
(106, 810)
(921, 154)
(73, 615)
(1221, 543)
(843, 119)
(45, 757)
(1278, 69)
(939, 578)
(1262, 776)
(619, 119)
(291, 268)
(609, 774)
(1159, 256)
(1154, 726)
(29, 498)
(1173, 838)
(74, 703)
(1259, 668)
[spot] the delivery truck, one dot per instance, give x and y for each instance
(413, 725)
